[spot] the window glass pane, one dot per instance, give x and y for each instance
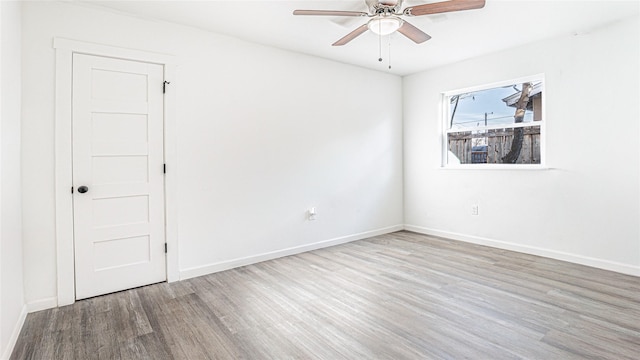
(495, 124)
(491, 107)
(494, 145)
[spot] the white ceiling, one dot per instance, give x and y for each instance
(455, 36)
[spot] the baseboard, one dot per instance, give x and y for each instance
(42, 304)
(6, 354)
(230, 264)
(532, 250)
(33, 306)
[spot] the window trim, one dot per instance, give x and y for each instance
(446, 114)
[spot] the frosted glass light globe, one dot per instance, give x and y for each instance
(384, 25)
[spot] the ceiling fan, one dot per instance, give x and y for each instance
(385, 17)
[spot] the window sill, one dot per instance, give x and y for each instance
(495, 167)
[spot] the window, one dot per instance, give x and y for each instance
(497, 124)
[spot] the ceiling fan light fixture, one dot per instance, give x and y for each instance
(384, 25)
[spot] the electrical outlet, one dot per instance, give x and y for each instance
(312, 214)
(474, 209)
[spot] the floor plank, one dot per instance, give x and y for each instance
(395, 296)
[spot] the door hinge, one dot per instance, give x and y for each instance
(164, 86)
(72, 189)
(164, 168)
(165, 248)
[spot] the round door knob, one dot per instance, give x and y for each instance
(83, 189)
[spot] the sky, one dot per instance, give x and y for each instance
(473, 106)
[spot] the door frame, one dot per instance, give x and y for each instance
(65, 49)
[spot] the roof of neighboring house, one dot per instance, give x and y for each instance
(511, 100)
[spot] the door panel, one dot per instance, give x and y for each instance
(110, 128)
(120, 169)
(120, 252)
(118, 155)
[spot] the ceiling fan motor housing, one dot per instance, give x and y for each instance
(384, 6)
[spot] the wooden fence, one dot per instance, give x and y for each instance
(471, 148)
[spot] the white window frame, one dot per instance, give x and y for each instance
(446, 117)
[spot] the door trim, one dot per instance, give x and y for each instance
(65, 49)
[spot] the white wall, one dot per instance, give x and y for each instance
(585, 208)
(12, 309)
(263, 135)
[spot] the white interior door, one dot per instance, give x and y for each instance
(119, 237)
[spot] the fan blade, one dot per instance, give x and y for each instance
(352, 35)
(444, 6)
(349, 21)
(329, 13)
(418, 36)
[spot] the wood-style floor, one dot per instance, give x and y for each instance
(396, 296)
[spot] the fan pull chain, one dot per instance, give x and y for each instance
(380, 41)
(389, 52)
